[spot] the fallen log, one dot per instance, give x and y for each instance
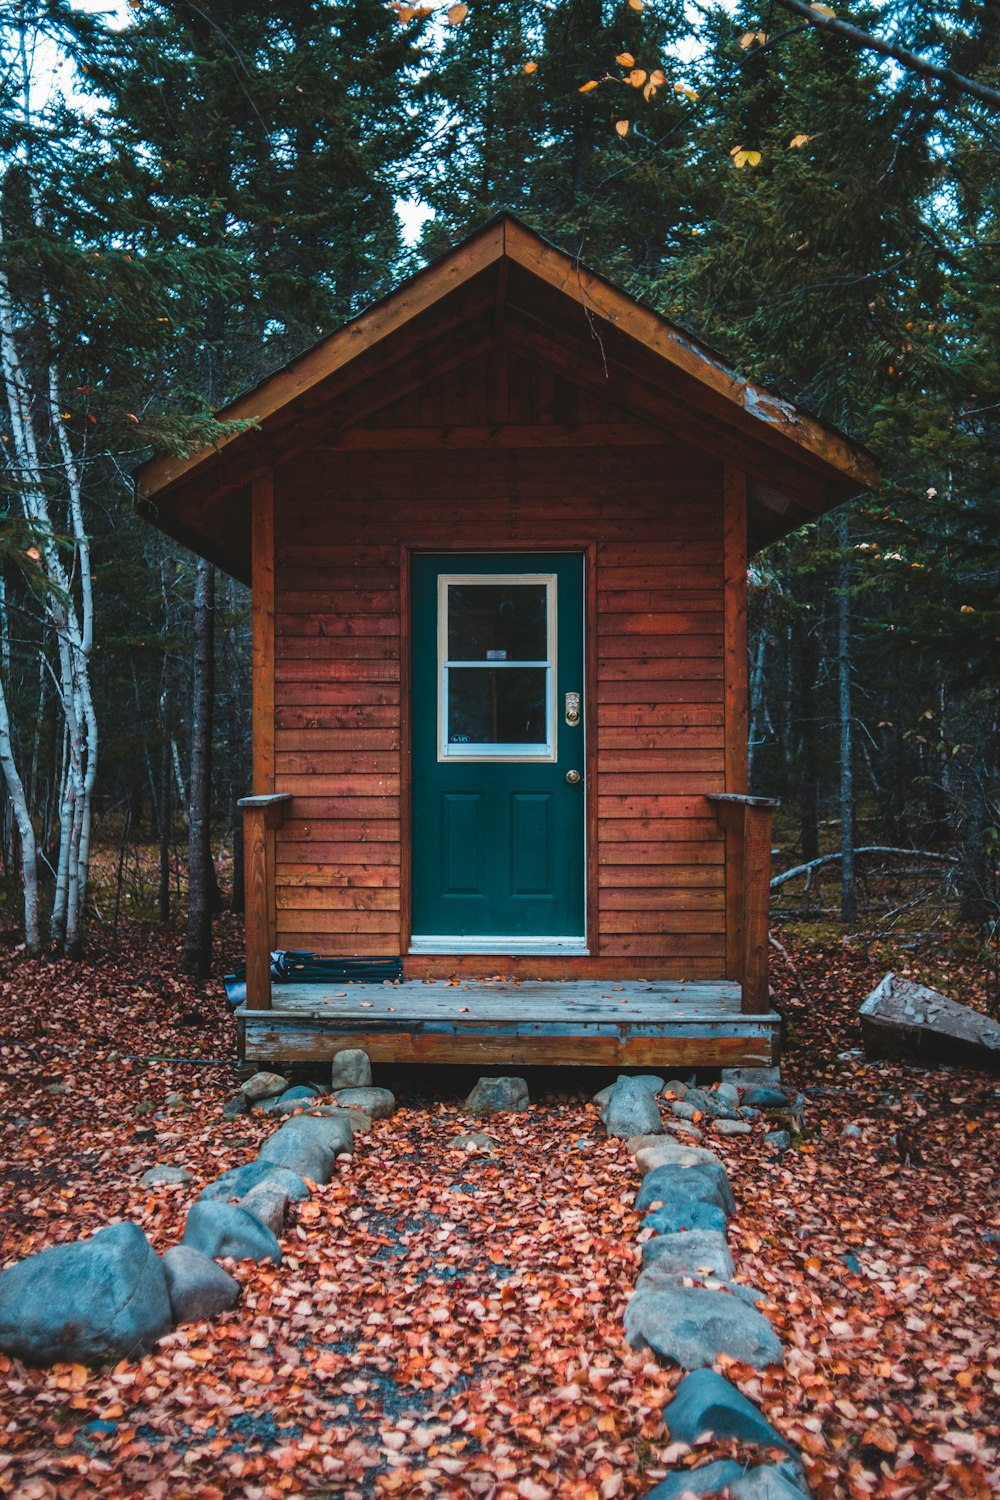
(829, 859)
(901, 1019)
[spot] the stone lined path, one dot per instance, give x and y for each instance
(444, 1322)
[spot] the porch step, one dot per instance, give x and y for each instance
(593, 1023)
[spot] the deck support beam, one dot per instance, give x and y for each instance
(261, 816)
(747, 824)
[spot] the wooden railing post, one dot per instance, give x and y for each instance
(260, 816)
(756, 906)
(747, 822)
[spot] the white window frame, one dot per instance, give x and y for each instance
(541, 753)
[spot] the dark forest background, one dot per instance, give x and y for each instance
(190, 194)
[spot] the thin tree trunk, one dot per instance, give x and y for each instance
(809, 744)
(848, 884)
(29, 862)
(166, 787)
(166, 809)
(197, 955)
(756, 699)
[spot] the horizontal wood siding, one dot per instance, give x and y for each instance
(654, 511)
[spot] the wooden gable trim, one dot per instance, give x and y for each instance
(758, 413)
(364, 332)
(768, 412)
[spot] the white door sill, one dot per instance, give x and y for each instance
(508, 946)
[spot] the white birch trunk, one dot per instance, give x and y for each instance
(68, 605)
(29, 857)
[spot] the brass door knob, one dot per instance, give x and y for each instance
(572, 777)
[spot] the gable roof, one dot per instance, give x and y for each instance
(505, 284)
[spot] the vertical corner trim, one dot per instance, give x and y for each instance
(736, 649)
(262, 670)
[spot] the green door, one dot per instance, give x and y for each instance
(498, 752)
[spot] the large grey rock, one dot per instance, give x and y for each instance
(309, 1159)
(497, 1096)
(705, 1404)
(731, 1127)
(264, 1086)
(233, 1185)
(651, 1081)
(766, 1483)
(309, 1145)
(678, 1153)
(162, 1176)
(657, 1278)
(631, 1109)
(708, 1480)
(692, 1326)
(99, 1299)
(225, 1229)
(333, 1132)
(268, 1202)
(684, 1218)
(197, 1287)
(238, 1105)
(378, 1104)
(705, 1182)
(700, 1250)
(637, 1143)
(352, 1069)
(728, 1093)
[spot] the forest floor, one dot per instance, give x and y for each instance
(447, 1324)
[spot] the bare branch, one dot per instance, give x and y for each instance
(829, 859)
(907, 59)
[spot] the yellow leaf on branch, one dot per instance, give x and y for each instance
(687, 91)
(625, 60)
(637, 78)
(824, 10)
(457, 14)
(585, 88)
(531, 67)
(799, 140)
(743, 157)
(635, 4)
(750, 38)
(621, 126)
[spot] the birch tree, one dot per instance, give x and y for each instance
(43, 471)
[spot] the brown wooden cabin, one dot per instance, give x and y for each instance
(497, 531)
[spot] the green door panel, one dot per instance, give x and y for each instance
(498, 832)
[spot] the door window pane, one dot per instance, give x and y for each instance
(507, 618)
(497, 705)
(496, 676)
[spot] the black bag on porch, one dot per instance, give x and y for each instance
(308, 968)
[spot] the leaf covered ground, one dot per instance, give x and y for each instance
(448, 1324)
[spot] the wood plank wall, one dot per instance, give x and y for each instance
(654, 509)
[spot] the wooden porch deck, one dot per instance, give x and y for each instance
(591, 1022)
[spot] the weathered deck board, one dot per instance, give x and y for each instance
(579, 1022)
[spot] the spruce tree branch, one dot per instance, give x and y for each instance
(912, 61)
